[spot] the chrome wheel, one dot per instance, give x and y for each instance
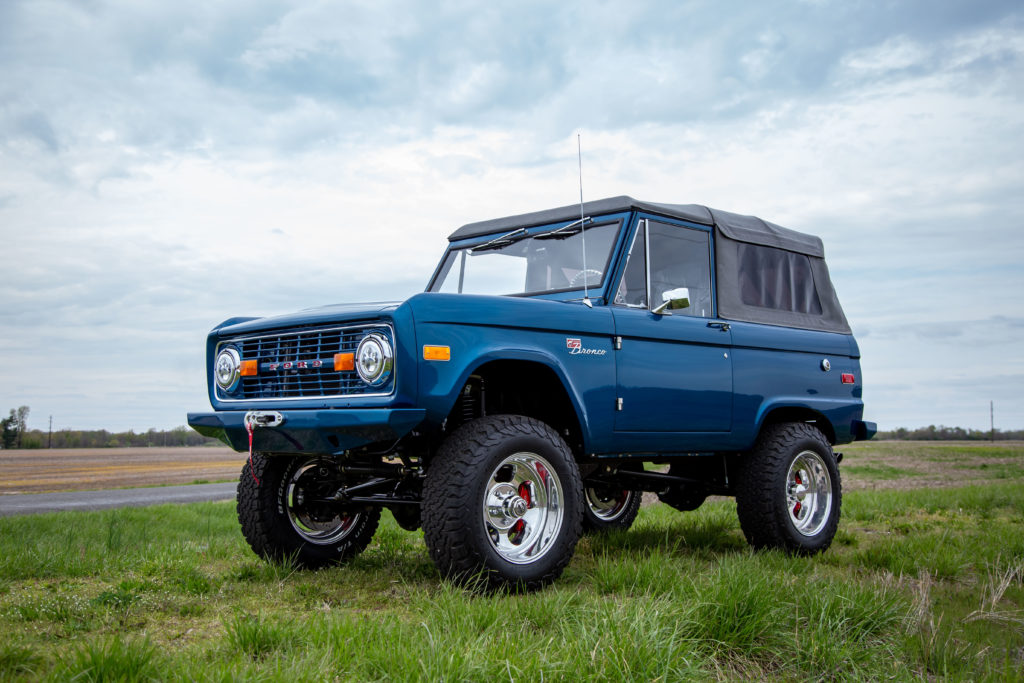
(808, 493)
(315, 522)
(523, 507)
(608, 504)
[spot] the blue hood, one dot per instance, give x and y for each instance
(336, 313)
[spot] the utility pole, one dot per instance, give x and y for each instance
(992, 419)
(49, 441)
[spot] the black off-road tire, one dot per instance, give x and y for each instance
(458, 481)
(264, 513)
(764, 486)
(599, 518)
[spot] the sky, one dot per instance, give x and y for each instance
(164, 166)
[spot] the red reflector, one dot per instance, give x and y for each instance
(848, 378)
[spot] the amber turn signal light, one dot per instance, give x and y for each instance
(248, 368)
(344, 361)
(437, 353)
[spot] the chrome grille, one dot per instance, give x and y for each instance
(301, 364)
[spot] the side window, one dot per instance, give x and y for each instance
(632, 290)
(774, 278)
(679, 257)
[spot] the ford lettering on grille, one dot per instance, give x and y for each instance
(296, 365)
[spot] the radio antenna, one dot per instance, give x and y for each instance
(583, 226)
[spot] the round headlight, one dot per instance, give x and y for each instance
(226, 369)
(374, 359)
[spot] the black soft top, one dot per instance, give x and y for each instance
(754, 284)
(748, 229)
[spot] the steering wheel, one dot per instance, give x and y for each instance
(578, 278)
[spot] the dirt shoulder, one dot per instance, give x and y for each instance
(86, 469)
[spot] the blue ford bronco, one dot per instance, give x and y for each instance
(512, 406)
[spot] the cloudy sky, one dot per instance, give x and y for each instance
(166, 165)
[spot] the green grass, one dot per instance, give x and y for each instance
(920, 584)
(879, 471)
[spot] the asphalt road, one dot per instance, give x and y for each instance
(34, 503)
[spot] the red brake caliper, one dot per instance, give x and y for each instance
(515, 534)
(798, 506)
(524, 493)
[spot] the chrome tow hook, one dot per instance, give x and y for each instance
(263, 418)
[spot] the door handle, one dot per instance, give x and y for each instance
(724, 327)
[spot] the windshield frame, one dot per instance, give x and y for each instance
(619, 221)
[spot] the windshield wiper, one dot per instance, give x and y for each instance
(502, 240)
(518, 234)
(569, 230)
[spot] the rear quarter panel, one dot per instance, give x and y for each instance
(780, 367)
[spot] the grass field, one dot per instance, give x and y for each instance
(921, 583)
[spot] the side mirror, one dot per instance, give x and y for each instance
(673, 299)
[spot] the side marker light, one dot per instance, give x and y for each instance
(437, 352)
(344, 362)
(848, 378)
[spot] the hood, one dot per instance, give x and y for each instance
(323, 315)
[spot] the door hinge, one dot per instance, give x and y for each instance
(617, 342)
(618, 404)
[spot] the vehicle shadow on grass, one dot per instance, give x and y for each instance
(398, 556)
(680, 539)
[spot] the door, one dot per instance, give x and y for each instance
(674, 367)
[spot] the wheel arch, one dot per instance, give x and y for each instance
(526, 386)
(794, 413)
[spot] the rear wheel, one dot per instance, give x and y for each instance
(789, 493)
(502, 504)
(283, 515)
(609, 508)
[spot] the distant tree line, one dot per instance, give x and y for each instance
(14, 434)
(941, 433)
(12, 427)
(101, 438)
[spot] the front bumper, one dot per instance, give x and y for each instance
(310, 431)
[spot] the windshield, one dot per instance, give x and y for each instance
(516, 263)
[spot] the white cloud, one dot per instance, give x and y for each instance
(164, 167)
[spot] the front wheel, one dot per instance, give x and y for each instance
(789, 494)
(502, 504)
(284, 517)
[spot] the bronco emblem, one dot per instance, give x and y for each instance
(575, 347)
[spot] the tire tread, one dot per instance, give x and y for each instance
(446, 508)
(763, 521)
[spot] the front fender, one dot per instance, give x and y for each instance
(526, 331)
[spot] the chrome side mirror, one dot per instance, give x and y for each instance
(673, 299)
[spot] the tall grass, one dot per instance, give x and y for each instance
(173, 593)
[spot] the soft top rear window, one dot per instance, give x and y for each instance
(777, 279)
